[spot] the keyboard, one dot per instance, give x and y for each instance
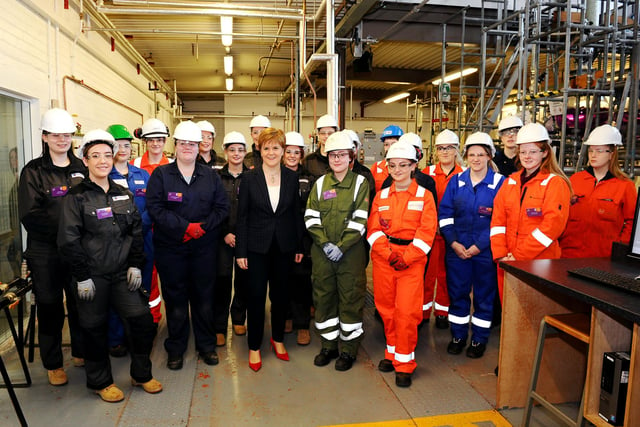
(619, 281)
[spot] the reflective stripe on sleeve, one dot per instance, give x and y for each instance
(541, 237)
(155, 302)
(375, 236)
(421, 244)
(361, 228)
(497, 230)
(313, 221)
(360, 213)
(445, 222)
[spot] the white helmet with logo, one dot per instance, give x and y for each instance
(234, 138)
(260, 122)
(207, 127)
(509, 122)
(97, 136)
(327, 121)
(402, 150)
(58, 120)
(294, 138)
(604, 135)
(338, 141)
(154, 128)
(480, 138)
(447, 137)
(533, 132)
(188, 131)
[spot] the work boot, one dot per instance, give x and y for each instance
(456, 346)
(345, 362)
(403, 379)
(476, 350)
(111, 394)
(174, 362)
(385, 365)
(209, 357)
(324, 357)
(57, 377)
(119, 350)
(442, 322)
(304, 337)
(152, 386)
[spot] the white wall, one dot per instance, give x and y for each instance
(42, 43)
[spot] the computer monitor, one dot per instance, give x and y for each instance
(634, 244)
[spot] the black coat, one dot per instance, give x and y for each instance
(258, 225)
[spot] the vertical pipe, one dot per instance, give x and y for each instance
(332, 64)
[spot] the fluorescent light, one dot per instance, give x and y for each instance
(455, 76)
(396, 97)
(228, 65)
(226, 28)
(229, 83)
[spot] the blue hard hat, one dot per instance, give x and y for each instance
(391, 131)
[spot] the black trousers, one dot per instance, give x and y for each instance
(133, 309)
(51, 277)
(229, 275)
(301, 294)
(267, 270)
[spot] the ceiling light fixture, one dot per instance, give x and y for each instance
(455, 76)
(396, 97)
(229, 83)
(228, 65)
(226, 28)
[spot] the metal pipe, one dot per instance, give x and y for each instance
(207, 12)
(332, 64)
(181, 32)
(206, 5)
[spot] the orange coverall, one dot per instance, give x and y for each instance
(601, 213)
(436, 269)
(380, 172)
(528, 219)
(409, 220)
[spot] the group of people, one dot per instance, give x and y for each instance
(222, 235)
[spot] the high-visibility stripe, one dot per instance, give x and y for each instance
(348, 327)
(459, 320)
(422, 245)
(432, 170)
(137, 162)
(496, 181)
(356, 226)
(461, 183)
(446, 221)
(359, 181)
(420, 192)
(481, 323)
(327, 323)
(497, 230)
(511, 181)
(391, 348)
(156, 302)
(360, 213)
(541, 237)
(375, 236)
(404, 358)
(330, 336)
(427, 306)
(311, 222)
(352, 336)
(440, 307)
(547, 179)
(319, 186)
(384, 193)
(312, 212)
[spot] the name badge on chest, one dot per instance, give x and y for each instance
(174, 197)
(59, 191)
(103, 213)
(329, 194)
(534, 212)
(141, 192)
(485, 210)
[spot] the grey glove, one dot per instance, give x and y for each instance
(134, 278)
(332, 252)
(86, 290)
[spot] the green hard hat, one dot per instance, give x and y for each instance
(119, 132)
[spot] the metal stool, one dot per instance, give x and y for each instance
(577, 325)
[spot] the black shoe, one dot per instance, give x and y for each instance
(476, 350)
(119, 350)
(442, 322)
(344, 362)
(209, 357)
(385, 365)
(456, 346)
(324, 357)
(403, 379)
(174, 362)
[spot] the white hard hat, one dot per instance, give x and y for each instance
(97, 136)
(260, 122)
(294, 138)
(354, 138)
(207, 127)
(58, 120)
(533, 132)
(447, 137)
(604, 135)
(234, 138)
(480, 138)
(338, 141)
(509, 122)
(327, 121)
(188, 131)
(402, 150)
(412, 138)
(154, 128)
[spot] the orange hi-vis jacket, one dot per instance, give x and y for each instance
(528, 219)
(143, 162)
(380, 172)
(601, 213)
(441, 178)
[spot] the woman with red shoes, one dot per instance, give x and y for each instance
(268, 241)
(603, 202)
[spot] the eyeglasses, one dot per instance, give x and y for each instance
(400, 166)
(186, 144)
(338, 156)
(446, 148)
(598, 150)
(296, 152)
(510, 132)
(530, 153)
(98, 156)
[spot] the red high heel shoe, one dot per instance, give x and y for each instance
(255, 366)
(282, 356)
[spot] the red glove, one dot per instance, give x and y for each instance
(194, 230)
(186, 238)
(400, 265)
(394, 258)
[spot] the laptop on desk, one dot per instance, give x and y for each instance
(624, 272)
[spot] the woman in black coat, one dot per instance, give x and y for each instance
(268, 241)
